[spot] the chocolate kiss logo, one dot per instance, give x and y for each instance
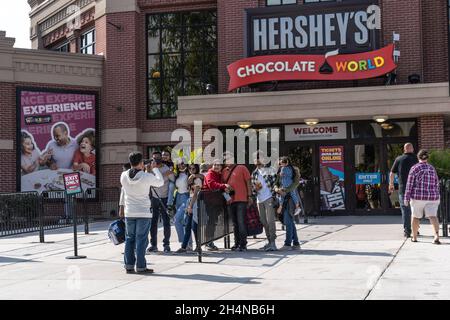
(326, 68)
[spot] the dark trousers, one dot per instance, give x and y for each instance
(158, 210)
(238, 210)
(406, 214)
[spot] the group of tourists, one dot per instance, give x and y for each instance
(159, 189)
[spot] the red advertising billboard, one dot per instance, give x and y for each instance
(56, 135)
(331, 66)
(332, 177)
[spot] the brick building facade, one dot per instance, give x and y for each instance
(120, 41)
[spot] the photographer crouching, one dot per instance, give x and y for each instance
(134, 197)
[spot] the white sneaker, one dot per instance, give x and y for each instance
(265, 247)
(297, 211)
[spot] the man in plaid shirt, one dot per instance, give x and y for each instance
(422, 191)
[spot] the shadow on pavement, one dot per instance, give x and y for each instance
(14, 260)
(209, 278)
(345, 253)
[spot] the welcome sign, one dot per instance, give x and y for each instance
(332, 66)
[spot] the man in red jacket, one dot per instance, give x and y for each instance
(238, 177)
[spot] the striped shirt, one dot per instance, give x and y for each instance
(423, 183)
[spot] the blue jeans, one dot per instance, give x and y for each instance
(136, 241)
(171, 192)
(181, 203)
(406, 214)
(158, 210)
(291, 230)
(191, 225)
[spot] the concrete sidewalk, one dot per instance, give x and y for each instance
(341, 258)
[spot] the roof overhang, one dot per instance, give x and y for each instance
(398, 101)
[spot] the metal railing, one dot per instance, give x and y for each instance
(444, 207)
(26, 212)
(214, 222)
(19, 213)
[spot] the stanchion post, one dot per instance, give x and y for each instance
(41, 218)
(199, 227)
(86, 216)
(445, 204)
(70, 207)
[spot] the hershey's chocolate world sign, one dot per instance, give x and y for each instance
(350, 26)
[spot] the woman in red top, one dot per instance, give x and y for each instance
(213, 179)
(212, 182)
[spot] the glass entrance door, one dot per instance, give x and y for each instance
(303, 157)
(368, 177)
(393, 150)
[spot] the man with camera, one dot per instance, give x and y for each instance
(136, 210)
(159, 198)
(238, 177)
(263, 183)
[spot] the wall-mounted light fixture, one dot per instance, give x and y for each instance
(380, 119)
(244, 124)
(311, 122)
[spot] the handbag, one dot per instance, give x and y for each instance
(116, 232)
(252, 221)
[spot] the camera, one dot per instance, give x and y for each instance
(147, 162)
(232, 192)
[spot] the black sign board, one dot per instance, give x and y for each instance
(350, 26)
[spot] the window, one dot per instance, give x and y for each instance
(312, 1)
(88, 42)
(63, 48)
(280, 2)
(182, 58)
(390, 128)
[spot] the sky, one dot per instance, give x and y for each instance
(15, 21)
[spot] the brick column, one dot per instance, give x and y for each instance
(431, 132)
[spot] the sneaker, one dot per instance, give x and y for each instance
(145, 271)
(271, 247)
(266, 246)
(235, 247)
(297, 211)
(242, 249)
(166, 249)
(211, 247)
(129, 271)
(152, 249)
(189, 248)
(181, 250)
(407, 235)
(285, 248)
(296, 247)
